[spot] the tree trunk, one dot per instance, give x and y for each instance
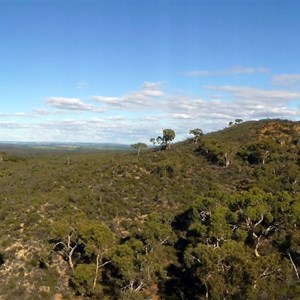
(293, 264)
(70, 252)
(266, 154)
(96, 272)
(256, 248)
(227, 160)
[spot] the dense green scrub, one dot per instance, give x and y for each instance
(214, 219)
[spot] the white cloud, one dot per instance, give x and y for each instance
(153, 119)
(14, 125)
(151, 89)
(238, 70)
(185, 113)
(182, 116)
(109, 100)
(141, 99)
(17, 114)
(286, 79)
(254, 95)
(34, 113)
(40, 112)
(116, 118)
(70, 104)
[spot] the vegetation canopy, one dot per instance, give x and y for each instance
(214, 217)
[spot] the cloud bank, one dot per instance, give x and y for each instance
(70, 104)
(286, 79)
(238, 70)
(140, 99)
(141, 114)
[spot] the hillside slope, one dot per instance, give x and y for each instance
(122, 226)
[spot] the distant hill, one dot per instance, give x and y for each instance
(59, 146)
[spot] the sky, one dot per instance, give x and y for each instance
(122, 71)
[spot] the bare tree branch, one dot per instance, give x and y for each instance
(293, 264)
(261, 219)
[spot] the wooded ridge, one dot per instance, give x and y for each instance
(214, 217)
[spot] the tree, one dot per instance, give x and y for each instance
(153, 141)
(216, 152)
(141, 260)
(83, 244)
(165, 140)
(2, 156)
(97, 238)
(64, 234)
(197, 132)
(223, 230)
(82, 280)
(257, 152)
(156, 231)
(160, 141)
(127, 261)
(168, 137)
(238, 121)
(139, 147)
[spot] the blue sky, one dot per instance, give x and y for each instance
(122, 71)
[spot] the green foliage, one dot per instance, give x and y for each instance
(220, 220)
(82, 280)
(142, 259)
(197, 133)
(168, 135)
(238, 121)
(235, 122)
(218, 153)
(165, 140)
(222, 232)
(139, 147)
(96, 237)
(156, 231)
(256, 153)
